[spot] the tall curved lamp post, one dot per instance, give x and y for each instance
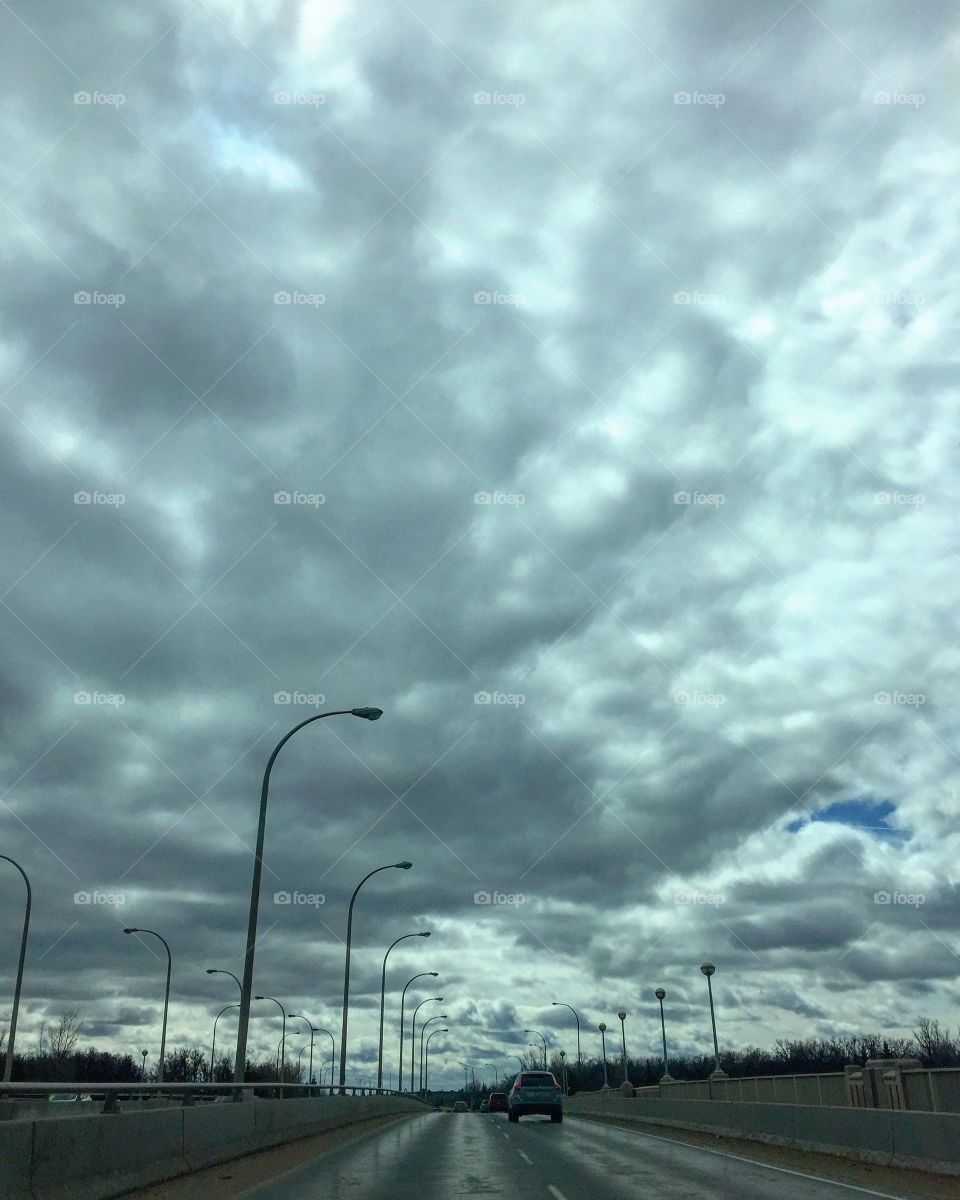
(403, 999)
(333, 1054)
(413, 1035)
(560, 1004)
(426, 1060)
(213, 1044)
(542, 1039)
(718, 1072)
(166, 996)
(623, 1037)
(301, 1017)
(246, 988)
(442, 1017)
(666, 1077)
(12, 1035)
(603, 1042)
(282, 1049)
(383, 990)
(403, 866)
(218, 971)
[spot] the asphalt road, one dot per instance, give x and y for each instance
(443, 1155)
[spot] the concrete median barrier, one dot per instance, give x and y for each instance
(103, 1155)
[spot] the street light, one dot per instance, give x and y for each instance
(542, 1039)
(246, 989)
(12, 1035)
(603, 1041)
(218, 971)
(403, 866)
(623, 1016)
(426, 1061)
(213, 1045)
(442, 1017)
(563, 1072)
(718, 1073)
(333, 1054)
(143, 1066)
(383, 988)
(166, 997)
(301, 1017)
(283, 1038)
(403, 999)
(666, 1076)
(574, 1011)
(413, 1035)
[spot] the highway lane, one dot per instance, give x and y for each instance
(465, 1155)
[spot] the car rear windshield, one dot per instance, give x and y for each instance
(498, 1095)
(540, 1080)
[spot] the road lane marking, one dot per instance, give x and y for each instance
(555, 1192)
(783, 1170)
(529, 1161)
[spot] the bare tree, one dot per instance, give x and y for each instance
(63, 1037)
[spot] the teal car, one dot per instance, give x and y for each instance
(535, 1092)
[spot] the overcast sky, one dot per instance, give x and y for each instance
(605, 357)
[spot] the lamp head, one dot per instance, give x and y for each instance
(131, 929)
(426, 933)
(260, 997)
(660, 994)
(437, 997)
(368, 714)
(707, 968)
(622, 1015)
(602, 1027)
(404, 866)
(433, 973)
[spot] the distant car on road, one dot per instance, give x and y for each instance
(484, 1106)
(69, 1098)
(460, 1106)
(497, 1102)
(535, 1092)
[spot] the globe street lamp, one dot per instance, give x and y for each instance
(413, 1035)
(603, 1041)
(666, 1077)
(623, 1016)
(403, 999)
(383, 989)
(426, 1060)
(542, 1039)
(166, 996)
(442, 1017)
(283, 1039)
(246, 989)
(561, 1004)
(213, 1045)
(12, 1035)
(563, 1072)
(403, 866)
(718, 1073)
(143, 1066)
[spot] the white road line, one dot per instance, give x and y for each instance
(555, 1192)
(756, 1163)
(528, 1161)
